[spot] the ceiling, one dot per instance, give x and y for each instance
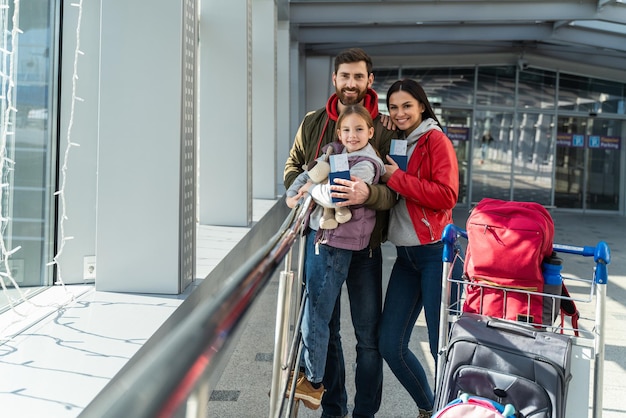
(580, 36)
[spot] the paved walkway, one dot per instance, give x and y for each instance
(58, 362)
(244, 384)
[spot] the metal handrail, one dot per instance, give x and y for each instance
(194, 346)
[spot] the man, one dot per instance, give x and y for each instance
(353, 80)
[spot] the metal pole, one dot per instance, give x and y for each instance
(598, 370)
(285, 285)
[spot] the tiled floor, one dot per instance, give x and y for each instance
(60, 348)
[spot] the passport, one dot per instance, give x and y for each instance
(398, 151)
(339, 169)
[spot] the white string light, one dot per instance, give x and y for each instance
(61, 192)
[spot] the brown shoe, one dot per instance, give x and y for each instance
(310, 397)
(300, 376)
(424, 413)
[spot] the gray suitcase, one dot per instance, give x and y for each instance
(508, 362)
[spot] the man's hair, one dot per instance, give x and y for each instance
(351, 55)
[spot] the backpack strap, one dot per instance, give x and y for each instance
(568, 308)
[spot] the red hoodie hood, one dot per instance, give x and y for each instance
(370, 101)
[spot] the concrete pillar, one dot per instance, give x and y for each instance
(319, 81)
(225, 116)
(283, 108)
(264, 21)
(146, 165)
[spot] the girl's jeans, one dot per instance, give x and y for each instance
(326, 269)
(364, 284)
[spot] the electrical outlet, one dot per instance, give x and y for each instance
(17, 269)
(89, 267)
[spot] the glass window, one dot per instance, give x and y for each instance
(457, 126)
(576, 164)
(447, 87)
(496, 86)
(532, 165)
(27, 202)
(536, 89)
(383, 79)
(589, 95)
(492, 158)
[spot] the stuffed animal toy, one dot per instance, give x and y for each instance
(318, 173)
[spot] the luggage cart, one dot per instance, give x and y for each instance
(587, 336)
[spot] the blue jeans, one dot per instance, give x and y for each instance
(364, 284)
(415, 282)
(326, 269)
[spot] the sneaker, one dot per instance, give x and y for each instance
(424, 413)
(310, 397)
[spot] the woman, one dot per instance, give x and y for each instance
(428, 192)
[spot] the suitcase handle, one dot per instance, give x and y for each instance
(514, 328)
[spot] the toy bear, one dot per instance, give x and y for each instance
(318, 173)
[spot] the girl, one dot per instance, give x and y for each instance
(329, 251)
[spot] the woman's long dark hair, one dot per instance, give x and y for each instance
(414, 89)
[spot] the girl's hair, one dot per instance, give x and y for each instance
(355, 109)
(414, 89)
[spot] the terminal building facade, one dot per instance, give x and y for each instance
(125, 123)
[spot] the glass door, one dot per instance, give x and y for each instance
(491, 159)
(534, 159)
(457, 126)
(587, 173)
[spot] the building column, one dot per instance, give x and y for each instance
(146, 164)
(284, 136)
(225, 116)
(264, 21)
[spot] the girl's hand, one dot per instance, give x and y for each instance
(305, 189)
(293, 201)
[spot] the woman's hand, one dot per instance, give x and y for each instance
(390, 169)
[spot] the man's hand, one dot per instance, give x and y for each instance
(387, 123)
(355, 191)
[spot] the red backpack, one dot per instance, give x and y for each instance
(506, 244)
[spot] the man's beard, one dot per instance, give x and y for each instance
(352, 99)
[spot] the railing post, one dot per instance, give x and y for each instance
(281, 336)
(602, 257)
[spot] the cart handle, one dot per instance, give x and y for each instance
(601, 255)
(601, 252)
(449, 236)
